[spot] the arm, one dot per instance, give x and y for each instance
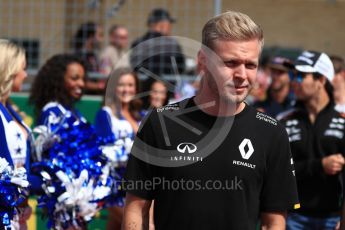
(136, 213)
(273, 220)
(279, 192)
(333, 164)
(330, 165)
(51, 108)
(103, 125)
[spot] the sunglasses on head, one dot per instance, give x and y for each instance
(297, 76)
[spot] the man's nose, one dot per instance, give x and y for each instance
(240, 71)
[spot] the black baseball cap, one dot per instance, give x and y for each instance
(159, 14)
(279, 63)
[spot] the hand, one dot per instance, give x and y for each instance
(24, 215)
(333, 164)
(338, 226)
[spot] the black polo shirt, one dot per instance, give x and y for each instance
(319, 194)
(249, 171)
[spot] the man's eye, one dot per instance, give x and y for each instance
(251, 66)
(231, 63)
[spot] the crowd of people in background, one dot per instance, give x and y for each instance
(306, 100)
(155, 55)
(152, 55)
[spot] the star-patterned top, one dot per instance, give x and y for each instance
(13, 136)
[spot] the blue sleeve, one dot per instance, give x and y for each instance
(103, 125)
(45, 114)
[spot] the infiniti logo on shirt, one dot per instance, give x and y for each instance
(189, 147)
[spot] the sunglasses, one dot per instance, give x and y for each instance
(297, 76)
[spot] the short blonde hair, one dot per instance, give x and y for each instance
(231, 26)
(12, 58)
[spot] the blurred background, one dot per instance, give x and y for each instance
(48, 27)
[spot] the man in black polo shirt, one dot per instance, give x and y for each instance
(212, 161)
(316, 134)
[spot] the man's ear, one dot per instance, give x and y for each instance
(201, 60)
(323, 80)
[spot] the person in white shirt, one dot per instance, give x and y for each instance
(113, 55)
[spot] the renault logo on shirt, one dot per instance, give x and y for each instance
(246, 149)
(186, 147)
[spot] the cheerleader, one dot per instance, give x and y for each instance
(15, 135)
(118, 121)
(56, 88)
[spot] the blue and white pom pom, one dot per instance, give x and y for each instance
(13, 191)
(117, 151)
(77, 175)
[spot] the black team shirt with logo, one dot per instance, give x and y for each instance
(320, 194)
(250, 172)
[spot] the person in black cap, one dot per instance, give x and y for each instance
(160, 20)
(279, 98)
(155, 53)
(316, 134)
